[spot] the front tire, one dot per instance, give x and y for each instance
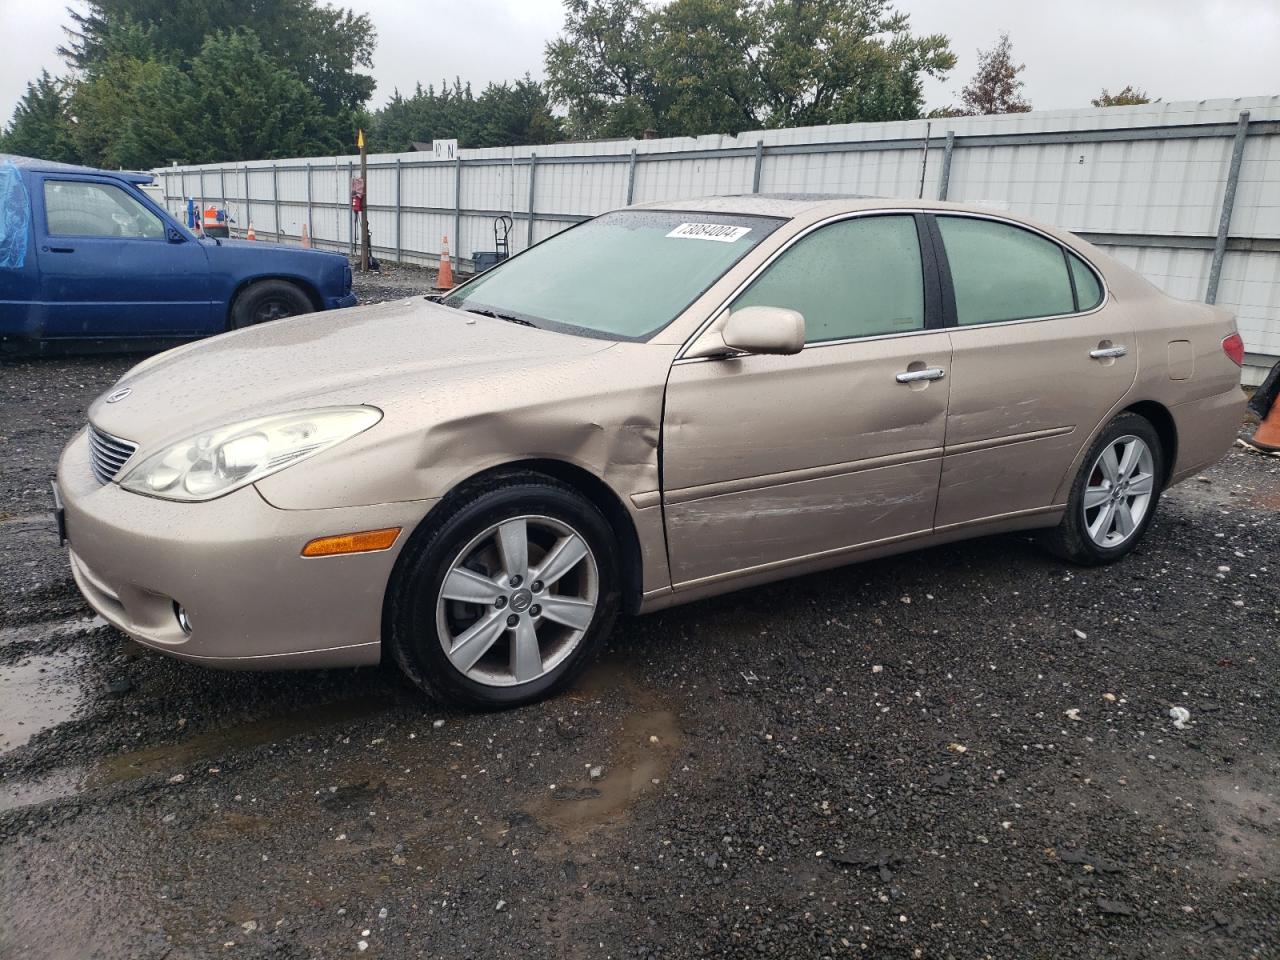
(1114, 496)
(268, 300)
(505, 596)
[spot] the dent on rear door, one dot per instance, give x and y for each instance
(1025, 397)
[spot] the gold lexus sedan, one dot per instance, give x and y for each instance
(664, 403)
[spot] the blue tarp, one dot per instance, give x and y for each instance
(15, 217)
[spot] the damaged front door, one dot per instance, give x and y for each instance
(773, 460)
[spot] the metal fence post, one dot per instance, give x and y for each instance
(222, 187)
(202, 196)
(351, 217)
(457, 205)
(924, 159)
(275, 198)
(248, 203)
(533, 167)
(631, 177)
(399, 170)
(944, 179)
(755, 177)
(1228, 202)
(311, 227)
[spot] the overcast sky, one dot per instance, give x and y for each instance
(1174, 49)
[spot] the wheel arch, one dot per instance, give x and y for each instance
(583, 481)
(303, 284)
(1158, 415)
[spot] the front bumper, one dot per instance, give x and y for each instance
(234, 565)
(337, 303)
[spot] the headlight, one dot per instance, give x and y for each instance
(218, 461)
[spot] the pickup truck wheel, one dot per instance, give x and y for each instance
(268, 300)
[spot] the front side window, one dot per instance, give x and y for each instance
(856, 278)
(624, 275)
(1002, 272)
(80, 208)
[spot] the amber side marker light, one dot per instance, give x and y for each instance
(367, 541)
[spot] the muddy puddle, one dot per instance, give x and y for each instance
(36, 693)
(636, 761)
(639, 759)
(208, 747)
(216, 744)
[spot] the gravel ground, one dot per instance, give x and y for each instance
(964, 752)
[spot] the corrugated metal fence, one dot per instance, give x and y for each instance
(1188, 193)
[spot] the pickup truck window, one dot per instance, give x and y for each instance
(80, 208)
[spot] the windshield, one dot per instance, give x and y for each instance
(624, 275)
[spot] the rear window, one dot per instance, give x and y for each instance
(1002, 272)
(623, 276)
(15, 217)
(1088, 290)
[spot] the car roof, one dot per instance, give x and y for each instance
(814, 207)
(762, 204)
(35, 165)
(810, 205)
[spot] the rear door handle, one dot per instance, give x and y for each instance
(928, 373)
(61, 249)
(1105, 353)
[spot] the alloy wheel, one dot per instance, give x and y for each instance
(517, 600)
(1118, 493)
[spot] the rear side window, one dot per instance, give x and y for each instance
(80, 208)
(1088, 290)
(857, 278)
(1002, 272)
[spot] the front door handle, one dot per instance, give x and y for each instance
(61, 249)
(928, 373)
(1108, 353)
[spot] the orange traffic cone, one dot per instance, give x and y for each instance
(1267, 436)
(251, 235)
(306, 237)
(444, 279)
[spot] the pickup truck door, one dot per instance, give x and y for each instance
(112, 266)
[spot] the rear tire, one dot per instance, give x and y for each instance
(1114, 496)
(468, 616)
(268, 300)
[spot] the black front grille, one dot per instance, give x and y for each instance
(107, 454)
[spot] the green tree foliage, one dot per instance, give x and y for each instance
(503, 114)
(243, 105)
(599, 67)
(41, 125)
(706, 66)
(323, 45)
(1128, 97)
(200, 81)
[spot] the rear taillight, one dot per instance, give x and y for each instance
(1233, 347)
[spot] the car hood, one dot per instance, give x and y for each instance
(366, 355)
(304, 260)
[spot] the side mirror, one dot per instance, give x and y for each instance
(764, 330)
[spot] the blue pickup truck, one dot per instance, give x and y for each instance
(87, 259)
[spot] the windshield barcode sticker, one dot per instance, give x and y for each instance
(720, 232)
